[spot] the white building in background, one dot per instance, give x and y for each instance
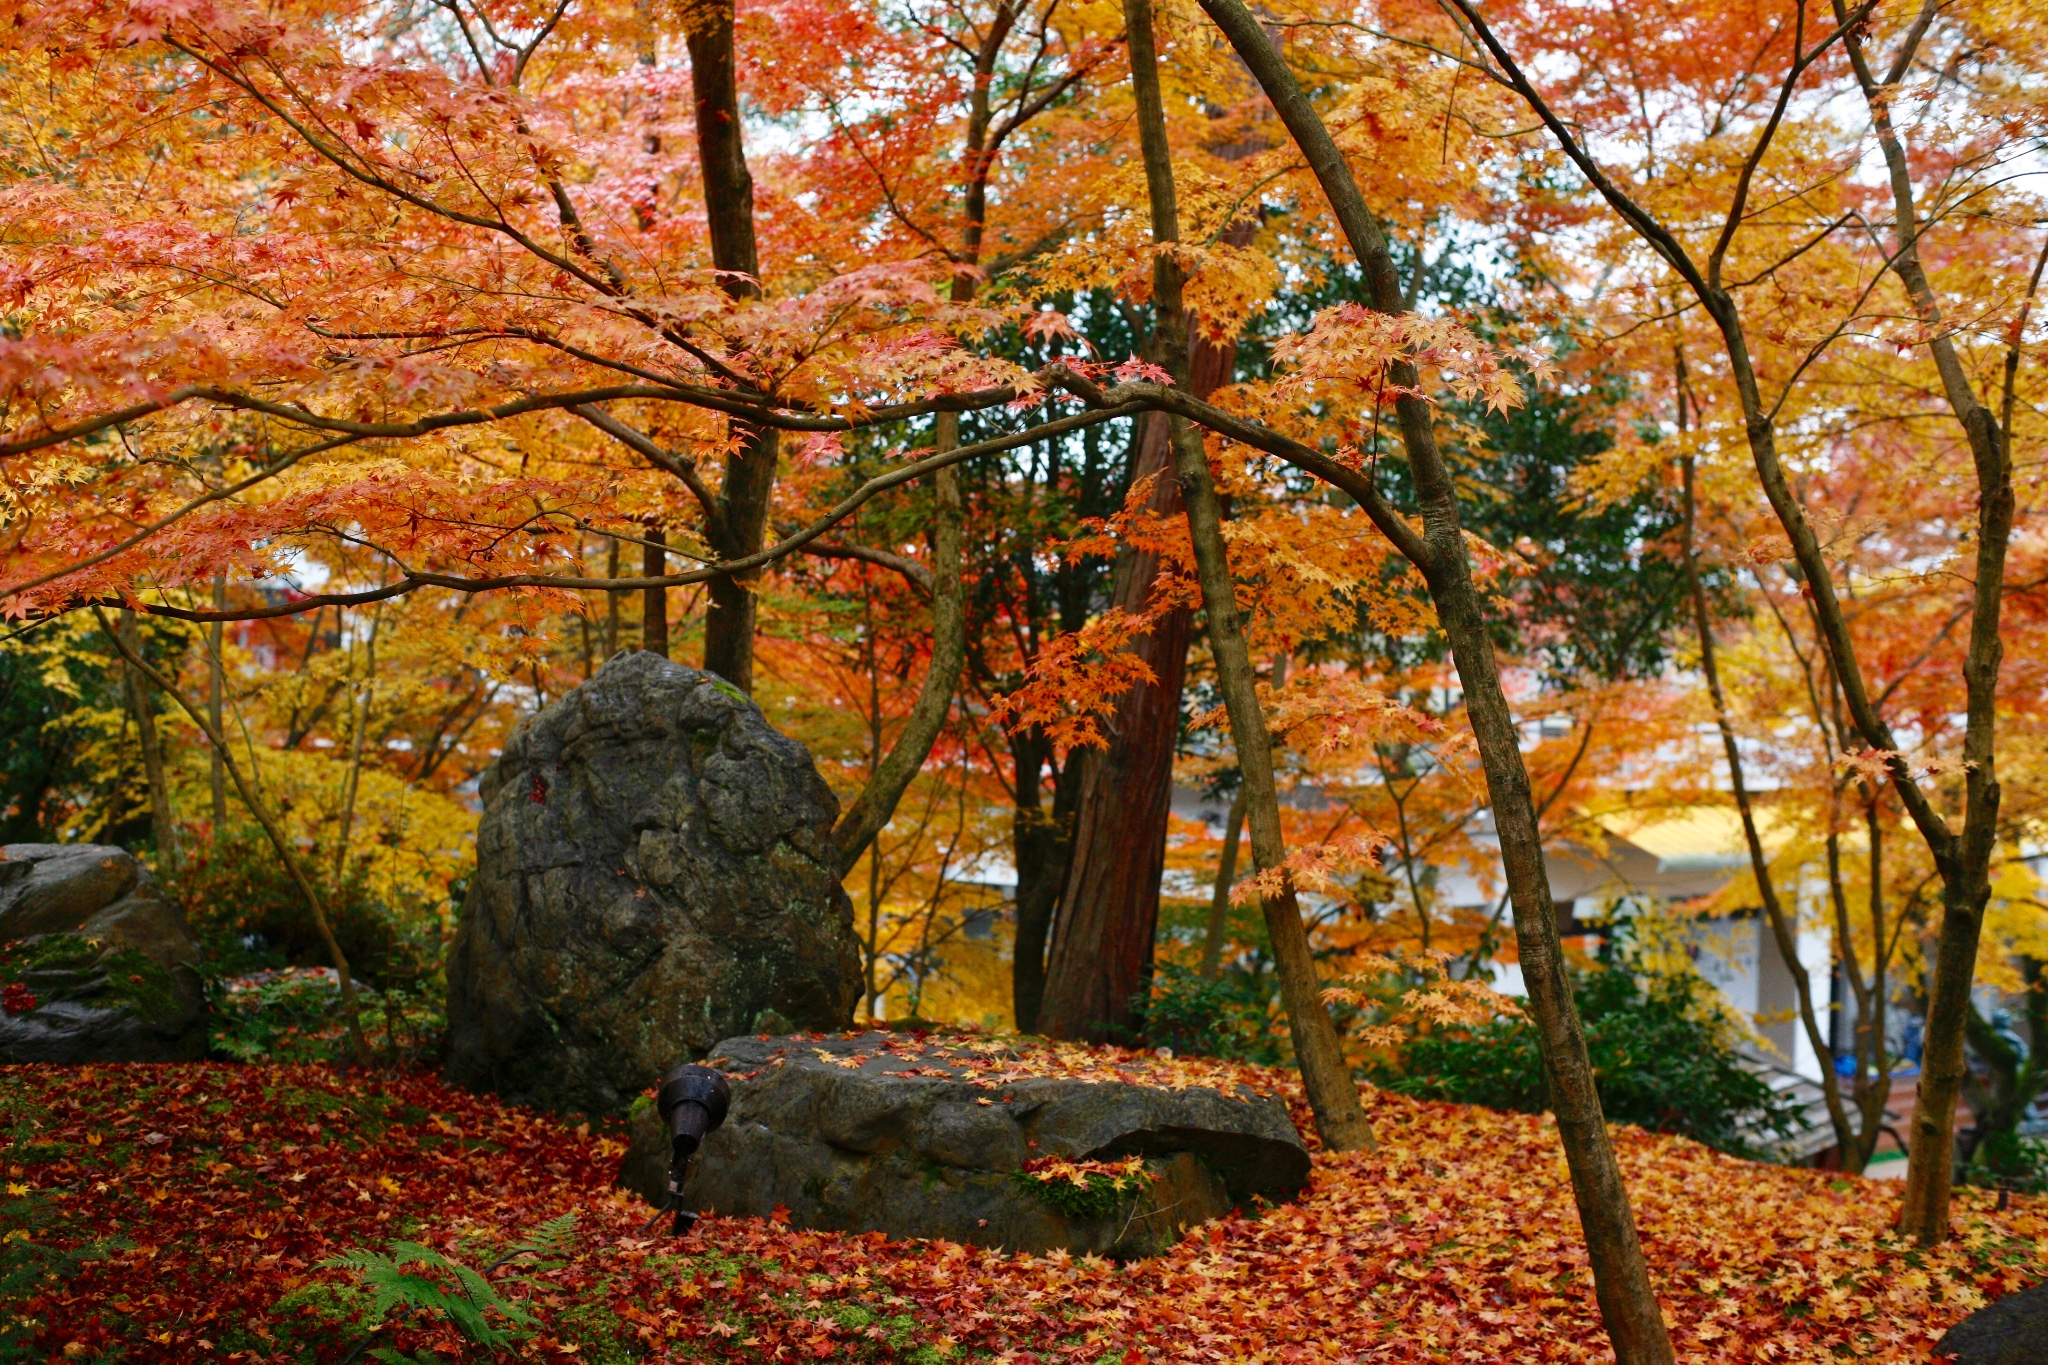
(1654, 858)
(1684, 856)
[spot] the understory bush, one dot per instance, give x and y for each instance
(273, 990)
(2006, 1160)
(250, 915)
(294, 1014)
(1662, 1056)
(1228, 1016)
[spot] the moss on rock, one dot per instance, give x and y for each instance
(74, 967)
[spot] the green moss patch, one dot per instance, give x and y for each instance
(95, 971)
(1101, 1197)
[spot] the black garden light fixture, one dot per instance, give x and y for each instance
(692, 1101)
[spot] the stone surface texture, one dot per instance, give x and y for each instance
(2012, 1331)
(840, 1132)
(109, 961)
(654, 873)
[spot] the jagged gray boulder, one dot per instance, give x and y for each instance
(98, 966)
(654, 873)
(2012, 1331)
(930, 1137)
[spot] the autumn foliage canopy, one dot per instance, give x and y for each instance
(1430, 432)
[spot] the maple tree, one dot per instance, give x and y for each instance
(1764, 139)
(312, 107)
(439, 315)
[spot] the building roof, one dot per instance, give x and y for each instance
(1696, 838)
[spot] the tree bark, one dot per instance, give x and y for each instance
(1961, 860)
(749, 484)
(1325, 1075)
(1783, 931)
(654, 601)
(1109, 909)
(871, 809)
(1108, 918)
(1318, 1051)
(216, 690)
(162, 821)
(1628, 1304)
(359, 715)
(1219, 900)
(611, 600)
(1964, 860)
(1041, 843)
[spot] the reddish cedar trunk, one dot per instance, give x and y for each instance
(1109, 911)
(1326, 1079)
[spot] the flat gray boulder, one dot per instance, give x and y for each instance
(654, 873)
(962, 1137)
(2012, 1331)
(96, 964)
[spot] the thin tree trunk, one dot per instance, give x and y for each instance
(1783, 931)
(876, 803)
(279, 840)
(1318, 1051)
(216, 691)
(1325, 1075)
(749, 484)
(864, 818)
(1219, 899)
(1964, 860)
(654, 601)
(874, 662)
(361, 728)
(1875, 1051)
(583, 631)
(1628, 1304)
(1041, 842)
(162, 821)
(611, 600)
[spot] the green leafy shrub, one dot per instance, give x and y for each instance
(250, 915)
(1083, 1189)
(281, 1016)
(294, 1014)
(1662, 1058)
(2005, 1160)
(270, 1001)
(1230, 1016)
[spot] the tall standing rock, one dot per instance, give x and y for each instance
(654, 874)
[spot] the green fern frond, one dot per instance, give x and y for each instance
(391, 1357)
(393, 1287)
(556, 1237)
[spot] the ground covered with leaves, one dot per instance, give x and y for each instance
(185, 1213)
